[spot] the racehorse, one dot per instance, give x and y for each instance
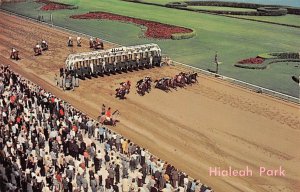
(123, 90)
(44, 45)
(37, 50)
(120, 93)
(143, 86)
(126, 86)
(162, 84)
(70, 42)
(192, 78)
(96, 43)
(14, 55)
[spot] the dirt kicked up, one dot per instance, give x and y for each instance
(209, 125)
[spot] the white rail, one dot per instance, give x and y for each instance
(242, 83)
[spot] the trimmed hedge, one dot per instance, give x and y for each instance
(179, 36)
(266, 56)
(176, 4)
(289, 10)
(272, 11)
(288, 55)
(280, 55)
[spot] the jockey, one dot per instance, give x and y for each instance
(13, 50)
(91, 42)
(78, 41)
(70, 41)
(38, 46)
(108, 114)
(44, 42)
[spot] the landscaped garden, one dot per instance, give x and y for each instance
(234, 39)
(154, 29)
(263, 60)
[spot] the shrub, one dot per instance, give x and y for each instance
(272, 11)
(179, 36)
(176, 4)
(266, 56)
(286, 55)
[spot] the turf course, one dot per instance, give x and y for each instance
(234, 39)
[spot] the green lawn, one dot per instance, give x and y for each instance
(215, 8)
(234, 39)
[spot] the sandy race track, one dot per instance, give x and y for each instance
(211, 124)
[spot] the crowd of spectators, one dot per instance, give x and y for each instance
(47, 145)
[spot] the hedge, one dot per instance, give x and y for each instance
(280, 55)
(287, 55)
(289, 10)
(272, 11)
(179, 36)
(176, 4)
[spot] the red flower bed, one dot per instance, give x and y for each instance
(154, 29)
(256, 60)
(50, 5)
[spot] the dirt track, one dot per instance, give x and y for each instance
(212, 124)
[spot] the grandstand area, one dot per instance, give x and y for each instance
(211, 124)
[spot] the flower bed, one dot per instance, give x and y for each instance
(265, 59)
(256, 60)
(50, 5)
(154, 29)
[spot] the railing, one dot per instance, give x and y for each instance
(253, 87)
(256, 88)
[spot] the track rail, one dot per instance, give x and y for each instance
(253, 87)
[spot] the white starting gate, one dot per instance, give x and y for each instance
(112, 56)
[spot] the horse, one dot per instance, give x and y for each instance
(14, 55)
(96, 44)
(162, 84)
(144, 85)
(109, 121)
(126, 86)
(70, 42)
(172, 83)
(148, 82)
(142, 88)
(192, 78)
(44, 45)
(179, 80)
(120, 93)
(78, 42)
(37, 51)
